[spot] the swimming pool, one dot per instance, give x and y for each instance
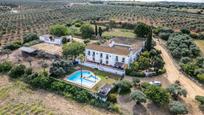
(88, 79)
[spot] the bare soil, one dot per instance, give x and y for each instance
(52, 102)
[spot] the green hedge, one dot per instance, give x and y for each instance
(13, 45)
(44, 81)
(5, 66)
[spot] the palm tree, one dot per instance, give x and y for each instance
(82, 59)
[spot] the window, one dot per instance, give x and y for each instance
(89, 53)
(116, 58)
(123, 60)
(106, 56)
(93, 59)
(101, 55)
(107, 62)
(93, 54)
(101, 61)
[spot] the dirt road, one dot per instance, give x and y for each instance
(174, 74)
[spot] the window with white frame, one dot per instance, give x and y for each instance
(123, 60)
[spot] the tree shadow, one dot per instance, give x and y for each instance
(139, 109)
(124, 98)
(157, 110)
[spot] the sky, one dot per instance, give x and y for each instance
(197, 1)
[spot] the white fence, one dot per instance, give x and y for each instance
(104, 68)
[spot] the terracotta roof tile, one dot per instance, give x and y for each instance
(114, 50)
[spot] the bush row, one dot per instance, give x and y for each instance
(147, 61)
(44, 81)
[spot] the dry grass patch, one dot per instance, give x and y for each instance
(49, 48)
(200, 44)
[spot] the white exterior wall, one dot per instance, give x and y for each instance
(104, 68)
(57, 41)
(111, 59)
(134, 56)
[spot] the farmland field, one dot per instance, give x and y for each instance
(200, 44)
(17, 98)
(119, 33)
(37, 16)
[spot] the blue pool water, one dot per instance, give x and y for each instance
(88, 79)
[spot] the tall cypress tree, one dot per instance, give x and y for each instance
(148, 43)
(100, 31)
(96, 30)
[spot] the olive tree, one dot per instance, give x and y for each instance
(177, 107)
(86, 31)
(139, 97)
(59, 30)
(123, 87)
(176, 90)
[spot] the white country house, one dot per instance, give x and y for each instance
(54, 40)
(113, 56)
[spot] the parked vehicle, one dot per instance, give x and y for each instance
(157, 83)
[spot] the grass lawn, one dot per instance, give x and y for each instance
(106, 78)
(119, 33)
(200, 44)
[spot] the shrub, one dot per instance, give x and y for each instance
(200, 99)
(164, 36)
(185, 60)
(189, 68)
(86, 31)
(17, 71)
(166, 30)
(157, 94)
(77, 25)
(176, 90)
(136, 81)
(58, 30)
(131, 72)
(138, 97)
(161, 71)
(112, 97)
(141, 29)
(177, 107)
(81, 96)
(114, 107)
(73, 49)
(123, 87)
(59, 68)
(13, 45)
(5, 66)
(31, 43)
(86, 41)
(28, 71)
(30, 37)
(201, 36)
(200, 77)
(185, 31)
(57, 86)
(40, 81)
